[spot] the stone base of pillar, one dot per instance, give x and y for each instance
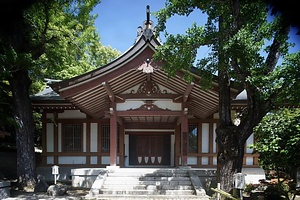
(112, 168)
(185, 167)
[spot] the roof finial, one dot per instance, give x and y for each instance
(148, 15)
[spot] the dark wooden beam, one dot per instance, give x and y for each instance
(137, 113)
(109, 91)
(123, 97)
(188, 91)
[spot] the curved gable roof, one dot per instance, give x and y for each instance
(94, 91)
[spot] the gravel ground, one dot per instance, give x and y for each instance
(72, 194)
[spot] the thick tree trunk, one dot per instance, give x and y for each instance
(26, 169)
(230, 155)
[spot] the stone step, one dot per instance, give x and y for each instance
(153, 184)
(148, 187)
(137, 182)
(148, 178)
(143, 174)
(148, 197)
(146, 192)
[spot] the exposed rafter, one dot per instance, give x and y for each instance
(109, 91)
(188, 91)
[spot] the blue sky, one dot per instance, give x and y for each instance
(118, 20)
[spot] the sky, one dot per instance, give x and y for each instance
(118, 20)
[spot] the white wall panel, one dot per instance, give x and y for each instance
(128, 104)
(71, 114)
(50, 137)
(204, 160)
(71, 160)
(168, 104)
(205, 137)
(249, 160)
(215, 160)
(50, 159)
(249, 141)
(94, 137)
(192, 160)
(93, 160)
(105, 160)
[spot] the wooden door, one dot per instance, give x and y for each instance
(150, 150)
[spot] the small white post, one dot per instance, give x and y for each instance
(55, 172)
(218, 187)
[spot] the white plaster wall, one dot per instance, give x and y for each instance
(50, 137)
(71, 160)
(163, 104)
(204, 160)
(192, 160)
(205, 137)
(215, 160)
(129, 104)
(105, 160)
(50, 160)
(93, 160)
(249, 141)
(71, 114)
(168, 104)
(94, 137)
(249, 160)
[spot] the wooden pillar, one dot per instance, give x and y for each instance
(113, 135)
(184, 140)
(55, 139)
(44, 136)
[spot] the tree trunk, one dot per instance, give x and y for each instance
(230, 155)
(26, 169)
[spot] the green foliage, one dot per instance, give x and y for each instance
(278, 141)
(242, 40)
(73, 45)
(246, 47)
(53, 39)
(5, 105)
(60, 41)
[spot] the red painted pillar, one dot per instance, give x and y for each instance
(113, 137)
(184, 140)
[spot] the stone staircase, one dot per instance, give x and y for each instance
(147, 183)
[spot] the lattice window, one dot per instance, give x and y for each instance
(193, 138)
(106, 138)
(72, 137)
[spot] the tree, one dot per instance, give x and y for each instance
(278, 141)
(40, 39)
(245, 46)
